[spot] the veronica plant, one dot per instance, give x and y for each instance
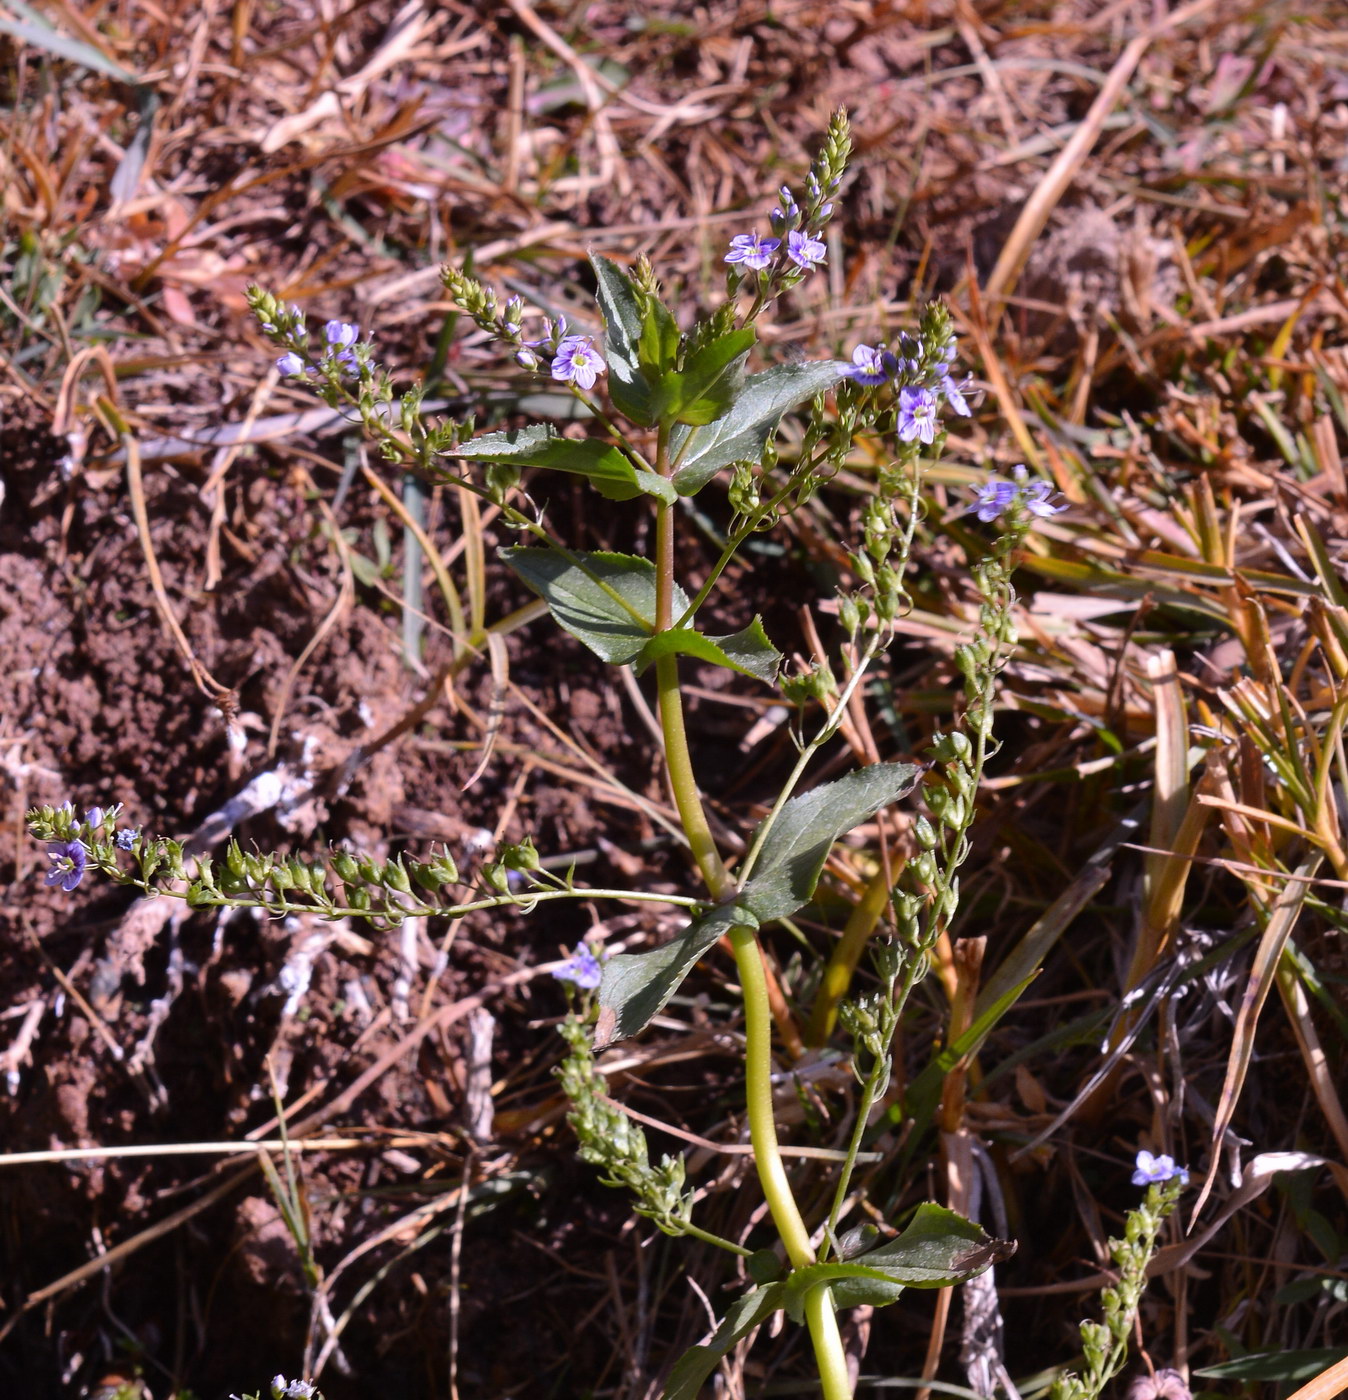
(670, 409)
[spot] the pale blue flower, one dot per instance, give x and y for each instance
(125, 839)
(577, 362)
(871, 365)
(341, 334)
(1152, 1169)
(992, 498)
(805, 251)
(917, 418)
(68, 862)
(582, 968)
(954, 394)
(290, 363)
(752, 251)
(1035, 496)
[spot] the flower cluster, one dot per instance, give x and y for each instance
(582, 968)
(71, 841)
(998, 497)
(920, 369)
(340, 349)
(343, 355)
(572, 358)
(795, 246)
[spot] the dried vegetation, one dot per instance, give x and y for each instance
(1138, 221)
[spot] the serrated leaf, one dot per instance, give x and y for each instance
(697, 1363)
(628, 386)
(792, 858)
(611, 470)
(939, 1248)
(747, 651)
(710, 381)
(605, 600)
(636, 986)
(739, 435)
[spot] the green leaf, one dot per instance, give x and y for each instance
(611, 470)
(792, 858)
(628, 386)
(747, 651)
(739, 435)
(1276, 1365)
(605, 600)
(636, 986)
(696, 1364)
(939, 1248)
(710, 382)
(658, 345)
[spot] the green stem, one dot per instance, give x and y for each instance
(683, 783)
(678, 759)
(829, 1356)
(837, 978)
(819, 1311)
(688, 1228)
(758, 1094)
(829, 728)
(875, 1085)
(738, 537)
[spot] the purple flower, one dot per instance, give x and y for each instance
(917, 415)
(954, 394)
(94, 816)
(68, 862)
(341, 334)
(581, 968)
(577, 362)
(871, 364)
(125, 839)
(1162, 1168)
(290, 363)
(752, 251)
(803, 250)
(526, 358)
(994, 497)
(1035, 496)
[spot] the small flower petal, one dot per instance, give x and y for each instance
(803, 250)
(290, 363)
(752, 251)
(917, 416)
(1150, 1169)
(68, 862)
(340, 334)
(577, 362)
(871, 365)
(582, 968)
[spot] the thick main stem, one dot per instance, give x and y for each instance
(819, 1311)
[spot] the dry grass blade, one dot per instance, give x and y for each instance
(1282, 919)
(1063, 171)
(1326, 1385)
